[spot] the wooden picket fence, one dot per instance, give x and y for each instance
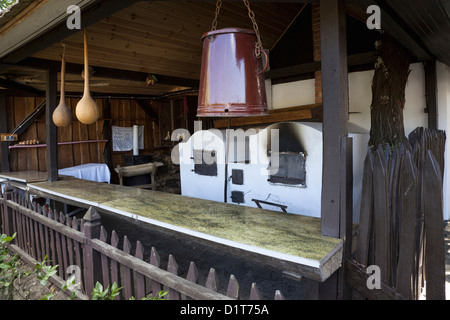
(83, 245)
(401, 227)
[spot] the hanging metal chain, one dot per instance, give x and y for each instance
(251, 14)
(258, 44)
(218, 5)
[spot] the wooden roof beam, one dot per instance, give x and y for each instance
(354, 60)
(13, 85)
(111, 73)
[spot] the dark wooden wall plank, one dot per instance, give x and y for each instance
(120, 112)
(13, 162)
(65, 153)
(434, 230)
(83, 135)
(40, 125)
(93, 130)
(76, 148)
(408, 225)
(408, 220)
(31, 134)
(4, 160)
(19, 116)
(366, 213)
(381, 216)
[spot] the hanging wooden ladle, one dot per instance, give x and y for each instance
(62, 116)
(86, 110)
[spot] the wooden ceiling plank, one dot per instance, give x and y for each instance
(398, 29)
(131, 43)
(167, 26)
(270, 30)
(153, 34)
(180, 15)
(133, 49)
(135, 62)
(152, 38)
(132, 65)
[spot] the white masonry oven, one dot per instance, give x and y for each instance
(278, 167)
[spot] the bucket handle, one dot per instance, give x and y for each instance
(266, 66)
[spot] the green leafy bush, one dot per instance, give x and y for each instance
(9, 271)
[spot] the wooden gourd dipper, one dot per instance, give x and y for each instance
(86, 110)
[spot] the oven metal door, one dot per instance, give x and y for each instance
(291, 169)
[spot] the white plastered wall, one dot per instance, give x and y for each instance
(292, 94)
(360, 97)
(443, 97)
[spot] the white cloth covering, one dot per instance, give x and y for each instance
(90, 171)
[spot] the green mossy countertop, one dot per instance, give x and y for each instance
(291, 241)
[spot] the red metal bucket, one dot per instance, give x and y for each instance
(232, 77)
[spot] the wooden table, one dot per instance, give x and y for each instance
(88, 171)
(291, 242)
(24, 176)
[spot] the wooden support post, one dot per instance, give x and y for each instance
(346, 217)
(92, 227)
(107, 133)
(335, 183)
(335, 110)
(431, 92)
(4, 150)
(337, 286)
(7, 211)
(51, 137)
(172, 119)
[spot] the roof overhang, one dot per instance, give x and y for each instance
(46, 17)
(422, 27)
(32, 41)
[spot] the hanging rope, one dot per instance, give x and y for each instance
(251, 14)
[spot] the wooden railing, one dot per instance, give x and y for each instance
(82, 245)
